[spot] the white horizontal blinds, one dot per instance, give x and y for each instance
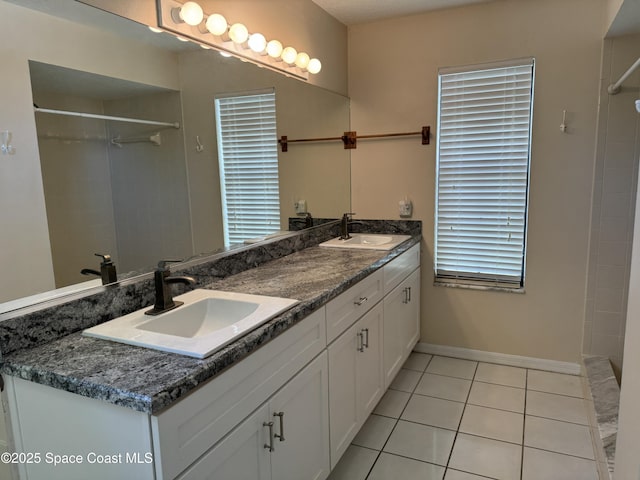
(483, 170)
(248, 158)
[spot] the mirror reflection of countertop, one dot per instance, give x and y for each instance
(148, 380)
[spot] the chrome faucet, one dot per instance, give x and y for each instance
(163, 281)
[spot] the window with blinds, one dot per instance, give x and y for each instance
(248, 160)
(483, 153)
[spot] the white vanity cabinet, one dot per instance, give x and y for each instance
(401, 325)
(356, 381)
(189, 429)
(401, 329)
(288, 411)
(287, 438)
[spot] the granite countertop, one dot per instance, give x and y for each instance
(148, 380)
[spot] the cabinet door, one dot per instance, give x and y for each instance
(411, 318)
(300, 413)
(401, 328)
(342, 392)
(370, 375)
(242, 455)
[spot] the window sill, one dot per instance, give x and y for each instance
(470, 286)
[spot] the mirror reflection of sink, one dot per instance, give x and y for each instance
(371, 241)
(208, 321)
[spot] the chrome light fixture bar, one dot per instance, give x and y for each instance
(188, 20)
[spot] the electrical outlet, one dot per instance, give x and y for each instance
(405, 208)
(300, 206)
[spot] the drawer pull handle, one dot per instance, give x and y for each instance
(269, 445)
(365, 343)
(406, 295)
(409, 290)
(281, 435)
(361, 345)
(361, 301)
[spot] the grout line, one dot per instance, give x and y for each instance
(562, 453)
(524, 421)
(396, 419)
(455, 438)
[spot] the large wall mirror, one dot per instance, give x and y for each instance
(141, 192)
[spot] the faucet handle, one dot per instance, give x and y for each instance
(348, 214)
(162, 264)
(106, 259)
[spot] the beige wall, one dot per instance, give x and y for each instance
(617, 151)
(393, 87)
(24, 237)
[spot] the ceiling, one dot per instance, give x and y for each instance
(351, 12)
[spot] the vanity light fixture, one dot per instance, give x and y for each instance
(216, 24)
(257, 43)
(238, 33)
(274, 49)
(188, 20)
(190, 13)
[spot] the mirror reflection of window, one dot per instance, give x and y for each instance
(248, 160)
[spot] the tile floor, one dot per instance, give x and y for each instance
(452, 419)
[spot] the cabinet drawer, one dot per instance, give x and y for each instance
(182, 433)
(399, 268)
(344, 310)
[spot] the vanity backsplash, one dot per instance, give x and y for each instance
(56, 319)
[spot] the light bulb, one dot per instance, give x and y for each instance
(191, 13)
(274, 48)
(314, 66)
(216, 24)
(289, 55)
(302, 60)
(257, 42)
(238, 33)
(155, 29)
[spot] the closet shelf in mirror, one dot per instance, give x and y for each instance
(107, 117)
(349, 139)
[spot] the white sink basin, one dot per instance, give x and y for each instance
(371, 241)
(208, 321)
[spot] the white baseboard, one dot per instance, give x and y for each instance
(501, 358)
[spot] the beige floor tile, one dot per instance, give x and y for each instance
(539, 464)
(458, 475)
(433, 411)
(501, 375)
(390, 467)
(406, 380)
(417, 361)
(483, 456)
(497, 396)
(557, 407)
(421, 442)
(375, 432)
(559, 437)
(449, 388)
(392, 403)
(554, 383)
(492, 423)
(452, 367)
(355, 464)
